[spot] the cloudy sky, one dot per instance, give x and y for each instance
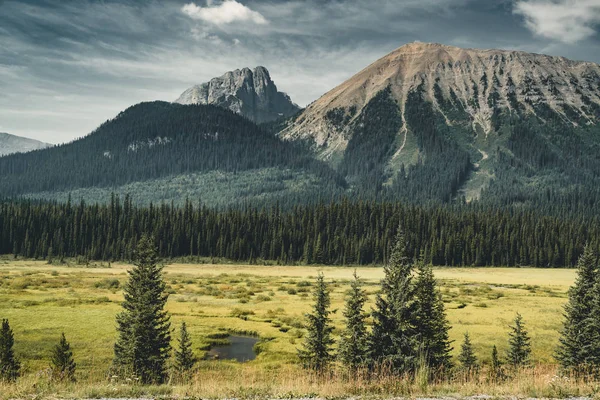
(68, 65)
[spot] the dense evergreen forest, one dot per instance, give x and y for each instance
(340, 233)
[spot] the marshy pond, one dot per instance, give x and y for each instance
(240, 348)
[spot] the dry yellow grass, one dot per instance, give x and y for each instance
(250, 381)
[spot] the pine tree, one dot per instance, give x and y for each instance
(392, 342)
(467, 357)
(9, 365)
(143, 346)
(431, 324)
(353, 342)
(573, 350)
(184, 355)
(63, 366)
(317, 351)
(519, 344)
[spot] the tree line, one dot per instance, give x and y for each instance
(338, 233)
(409, 331)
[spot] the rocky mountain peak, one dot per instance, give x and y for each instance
(251, 93)
(480, 83)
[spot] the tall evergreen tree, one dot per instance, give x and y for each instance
(353, 342)
(430, 317)
(144, 338)
(590, 334)
(574, 344)
(9, 365)
(467, 358)
(62, 362)
(317, 350)
(393, 341)
(184, 355)
(519, 344)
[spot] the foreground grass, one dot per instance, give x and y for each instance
(42, 300)
(225, 380)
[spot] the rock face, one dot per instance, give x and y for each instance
(249, 93)
(482, 83)
(15, 144)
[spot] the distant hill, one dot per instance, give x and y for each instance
(16, 144)
(250, 93)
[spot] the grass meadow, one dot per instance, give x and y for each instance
(43, 300)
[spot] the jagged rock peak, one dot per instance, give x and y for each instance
(251, 93)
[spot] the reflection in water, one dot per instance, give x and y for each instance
(241, 349)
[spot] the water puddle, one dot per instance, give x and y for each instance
(241, 349)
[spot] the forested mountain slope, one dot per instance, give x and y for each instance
(155, 140)
(430, 122)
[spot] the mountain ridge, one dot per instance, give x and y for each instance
(427, 123)
(10, 144)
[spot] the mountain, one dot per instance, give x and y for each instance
(426, 124)
(165, 152)
(434, 122)
(250, 93)
(16, 144)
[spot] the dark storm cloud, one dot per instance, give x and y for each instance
(66, 66)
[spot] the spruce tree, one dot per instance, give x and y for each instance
(9, 365)
(62, 363)
(353, 341)
(519, 344)
(184, 355)
(467, 357)
(430, 318)
(590, 335)
(393, 342)
(317, 350)
(143, 345)
(574, 351)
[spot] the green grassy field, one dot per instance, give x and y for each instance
(42, 300)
